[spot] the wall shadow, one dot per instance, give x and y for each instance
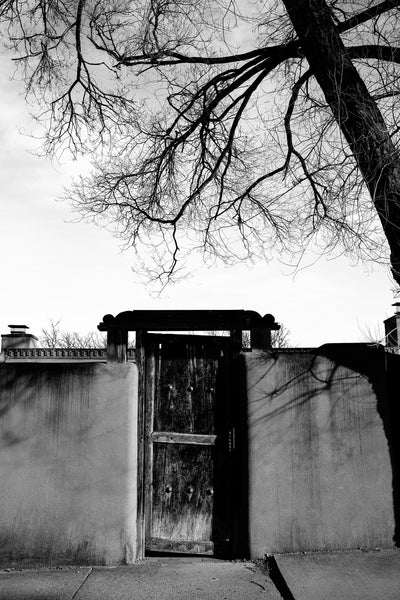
(231, 483)
(299, 387)
(382, 369)
(270, 567)
(223, 509)
(241, 457)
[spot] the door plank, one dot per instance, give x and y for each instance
(182, 546)
(182, 492)
(169, 437)
(186, 391)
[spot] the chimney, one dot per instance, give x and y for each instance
(392, 328)
(18, 338)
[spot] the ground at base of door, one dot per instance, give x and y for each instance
(166, 578)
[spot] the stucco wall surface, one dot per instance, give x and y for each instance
(68, 462)
(320, 474)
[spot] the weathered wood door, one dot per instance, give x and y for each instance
(188, 445)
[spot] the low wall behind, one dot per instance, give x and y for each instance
(68, 462)
(320, 474)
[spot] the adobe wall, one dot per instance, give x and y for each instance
(68, 462)
(320, 450)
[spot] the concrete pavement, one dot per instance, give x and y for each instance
(158, 579)
(355, 575)
(42, 584)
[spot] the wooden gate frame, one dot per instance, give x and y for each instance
(144, 321)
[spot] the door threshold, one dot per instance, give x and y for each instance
(150, 555)
(166, 553)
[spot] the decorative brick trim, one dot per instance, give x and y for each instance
(64, 354)
(294, 350)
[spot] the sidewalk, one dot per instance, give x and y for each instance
(158, 579)
(353, 575)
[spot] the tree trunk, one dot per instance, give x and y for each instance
(355, 111)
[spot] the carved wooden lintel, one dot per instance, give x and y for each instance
(187, 320)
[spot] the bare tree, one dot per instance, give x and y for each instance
(238, 128)
(280, 338)
(55, 337)
(373, 335)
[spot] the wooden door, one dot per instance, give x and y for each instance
(187, 474)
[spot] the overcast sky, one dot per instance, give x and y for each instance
(54, 268)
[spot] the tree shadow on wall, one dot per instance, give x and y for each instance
(17, 383)
(306, 378)
(382, 369)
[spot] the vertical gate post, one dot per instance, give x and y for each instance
(261, 338)
(140, 358)
(236, 340)
(117, 345)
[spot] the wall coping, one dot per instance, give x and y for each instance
(59, 354)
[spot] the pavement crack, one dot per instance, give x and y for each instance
(81, 584)
(258, 584)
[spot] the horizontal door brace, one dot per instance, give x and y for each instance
(167, 437)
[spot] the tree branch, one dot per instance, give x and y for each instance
(367, 15)
(375, 51)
